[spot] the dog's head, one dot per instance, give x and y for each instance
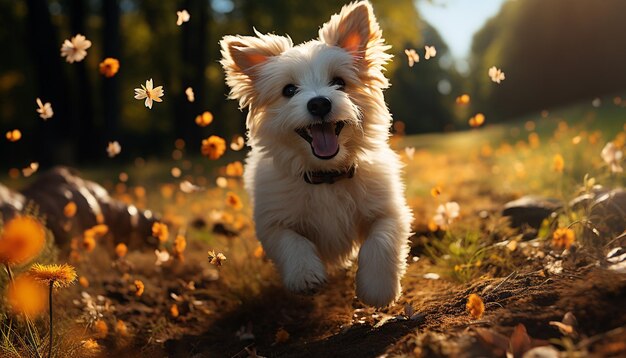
(318, 105)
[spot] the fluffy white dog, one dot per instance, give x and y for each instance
(322, 177)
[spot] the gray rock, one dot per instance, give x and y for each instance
(608, 211)
(530, 210)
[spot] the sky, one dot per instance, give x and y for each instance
(458, 20)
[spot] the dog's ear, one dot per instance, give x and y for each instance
(356, 30)
(242, 58)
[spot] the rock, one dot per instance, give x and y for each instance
(530, 210)
(608, 211)
(11, 203)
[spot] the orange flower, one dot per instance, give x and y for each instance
(477, 120)
(139, 286)
(97, 231)
(102, 329)
(22, 239)
(89, 243)
(83, 281)
(121, 328)
(563, 238)
(204, 119)
(233, 200)
(14, 135)
(435, 191)
(160, 231)
(475, 306)
(91, 346)
(109, 67)
(216, 259)
(558, 163)
(234, 169)
(174, 310)
(180, 244)
(55, 275)
(213, 147)
(70, 210)
(463, 99)
(259, 252)
(121, 249)
(27, 296)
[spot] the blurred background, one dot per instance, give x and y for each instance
(553, 53)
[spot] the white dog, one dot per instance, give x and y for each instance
(323, 180)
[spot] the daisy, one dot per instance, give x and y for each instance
(45, 110)
(496, 74)
(149, 93)
(183, 16)
(412, 56)
(612, 156)
(75, 50)
(446, 213)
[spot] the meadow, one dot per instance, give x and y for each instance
(191, 279)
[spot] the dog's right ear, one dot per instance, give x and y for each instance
(243, 57)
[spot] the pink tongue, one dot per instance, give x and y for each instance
(324, 140)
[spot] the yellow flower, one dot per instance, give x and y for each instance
(180, 244)
(22, 239)
(70, 209)
(91, 346)
(14, 135)
(435, 191)
(204, 119)
(139, 288)
(121, 249)
(102, 329)
(213, 147)
(45, 110)
(109, 67)
(563, 238)
(234, 169)
(55, 275)
(216, 258)
(233, 200)
(558, 163)
(475, 306)
(160, 231)
(27, 296)
(75, 50)
(149, 93)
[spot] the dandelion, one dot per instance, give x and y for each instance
(55, 276)
(121, 250)
(101, 328)
(83, 281)
(14, 136)
(139, 288)
(410, 152)
(113, 148)
(234, 169)
(412, 56)
(475, 306)
(558, 163)
(75, 50)
(429, 52)
(183, 16)
(446, 213)
(563, 238)
(26, 296)
(22, 239)
(213, 147)
(477, 120)
(216, 258)
(233, 200)
(69, 210)
(45, 110)
(109, 67)
(204, 119)
(612, 156)
(463, 99)
(161, 257)
(30, 169)
(174, 310)
(496, 74)
(237, 142)
(149, 93)
(121, 328)
(190, 95)
(160, 231)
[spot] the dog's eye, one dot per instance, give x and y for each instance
(290, 90)
(339, 82)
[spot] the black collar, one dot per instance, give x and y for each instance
(329, 177)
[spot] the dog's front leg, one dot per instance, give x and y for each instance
(297, 259)
(382, 262)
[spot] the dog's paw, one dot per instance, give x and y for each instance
(305, 277)
(375, 289)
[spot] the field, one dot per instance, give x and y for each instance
(546, 283)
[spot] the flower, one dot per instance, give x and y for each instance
(187, 187)
(91, 346)
(446, 213)
(612, 156)
(113, 148)
(102, 329)
(558, 163)
(429, 51)
(89, 243)
(234, 169)
(26, 296)
(83, 281)
(109, 67)
(180, 244)
(183, 16)
(69, 210)
(22, 239)
(435, 191)
(213, 147)
(259, 253)
(463, 99)
(55, 275)
(30, 169)
(45, 110)
(190, 95)
(75, 50)
(281, 335)
(204, 119)
(161, 257)
(174, 310)
(14, 136)
(475, 306)
(221, 182)
(233, 200)
(237, 142)
(496, 74)
(149, 93)
(121, 328)
(160, 231)
(412, 56)
(216, 258)
(139, 288)
(410, 152)
(121, 250)
(477, 120)
(563, 238)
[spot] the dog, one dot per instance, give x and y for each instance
(324, 183)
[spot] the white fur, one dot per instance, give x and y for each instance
(306, 229)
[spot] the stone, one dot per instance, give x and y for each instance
(530, 210)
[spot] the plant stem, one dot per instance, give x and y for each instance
(9, 272)
(50, 309)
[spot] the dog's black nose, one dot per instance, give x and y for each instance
(319, 106)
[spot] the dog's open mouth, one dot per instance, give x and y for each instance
(323, 138)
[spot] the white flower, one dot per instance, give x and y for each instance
(446, 213)
(187, 187)
(612, 156)
(113, 149)
(410, 152)
(45, 110)
(75, 50)
(496, 74)
(183, 16)
(190, 95)
(161, 257)
(412, 56)
(149, 93)
(429, 51)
